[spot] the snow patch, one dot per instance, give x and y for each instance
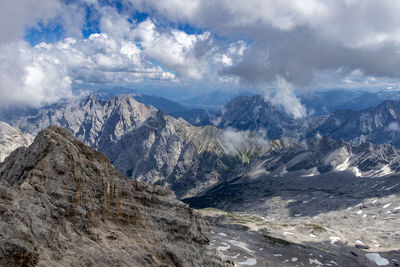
(334, 239)
(344, 166)
(387, 205)
(356, 172)
(224, 247)
(249, 262)
(316, 261)
(385, 170)
(294, 259)
(313, 172)
(287, 233)
(375, 257)
(222, 234)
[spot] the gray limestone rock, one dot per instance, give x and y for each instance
(10, 139)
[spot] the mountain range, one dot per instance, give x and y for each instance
(284, 179)
(378, 124)
(146, 144)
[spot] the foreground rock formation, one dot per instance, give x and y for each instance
(63, 204)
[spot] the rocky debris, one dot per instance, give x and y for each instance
(10, 139)
(62, 203)
(313, 195)
(252, 239)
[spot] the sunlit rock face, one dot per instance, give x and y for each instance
(10, 139)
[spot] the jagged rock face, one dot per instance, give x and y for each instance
(92, 120)
(157, 152)
(63, 204)
(254, 113)
(323, 155)
(378, 124)
(10, 139)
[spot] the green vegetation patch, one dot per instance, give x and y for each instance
(316, 227)
(276, 241)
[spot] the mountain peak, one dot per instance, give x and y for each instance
(54, 146)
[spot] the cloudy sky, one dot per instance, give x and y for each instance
(48, 48)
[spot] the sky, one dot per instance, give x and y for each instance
(54, 49)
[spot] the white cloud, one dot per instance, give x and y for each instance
(394, 127)
(297, 39)
(300, 41)
(285, 97)
(102, 59)
(175, 49)
(236, 141)
(26, 76)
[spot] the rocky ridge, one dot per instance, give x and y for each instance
(379, 124)
(148, 145)
(10, 139)
(62, 203)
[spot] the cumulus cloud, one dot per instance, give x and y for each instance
(301, 42)
(102, 59)
(297, 39)
(285, 98)
(26, 78)
(175, 49)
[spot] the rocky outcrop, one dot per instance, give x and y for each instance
(63, 204)
(10, 139)
(254, 113)
(94, 121)
(379, 124)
